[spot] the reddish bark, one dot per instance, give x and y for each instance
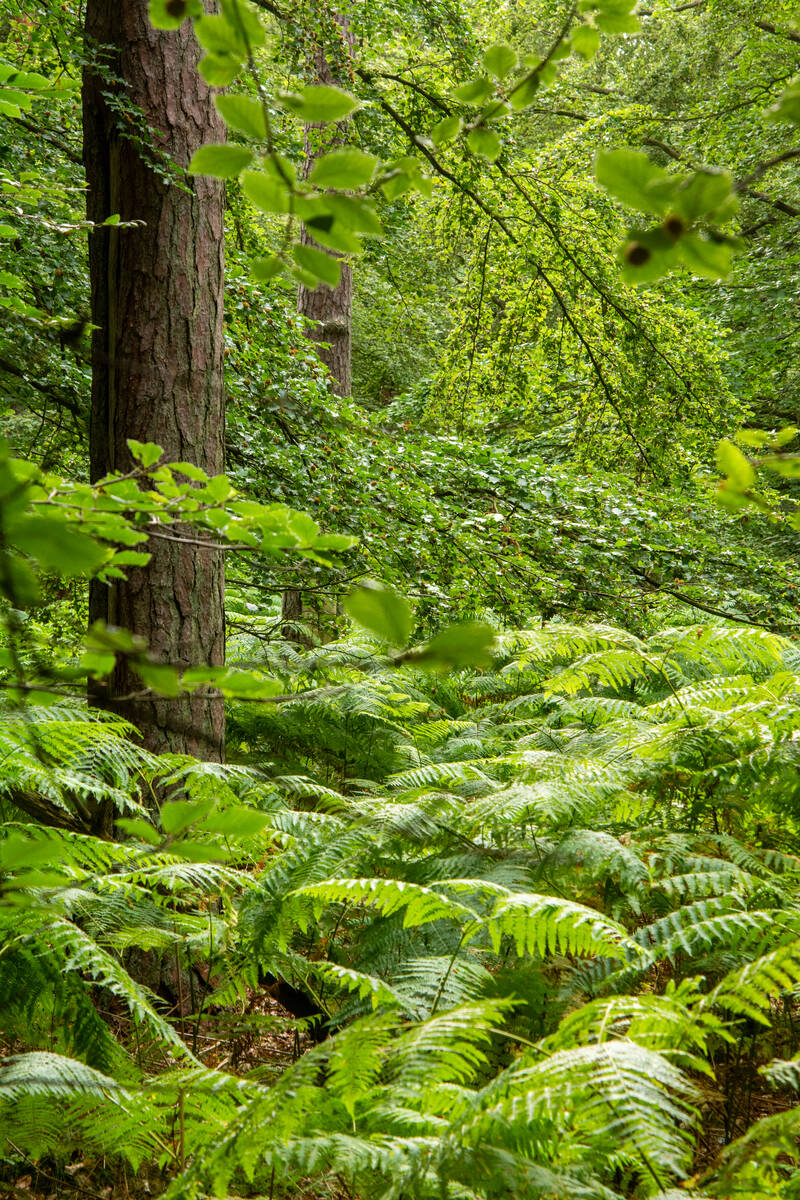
(157, 300)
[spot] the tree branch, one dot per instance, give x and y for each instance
(45, 811)
(46, 389)
(763, 167)
(742, 186)
(59, 143)
(768, 27)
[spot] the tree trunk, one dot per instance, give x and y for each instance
(329, 309)
(157, 297)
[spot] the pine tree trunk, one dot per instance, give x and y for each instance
(157, 299)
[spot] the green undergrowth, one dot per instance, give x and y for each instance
(546, 914)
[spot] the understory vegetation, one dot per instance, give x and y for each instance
(444, 843)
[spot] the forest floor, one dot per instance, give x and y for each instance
(264, 1036)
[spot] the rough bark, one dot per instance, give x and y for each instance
(330, 307)
(329, 310)
(157, 302)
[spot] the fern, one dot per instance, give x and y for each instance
(749, 990)
(529, 900)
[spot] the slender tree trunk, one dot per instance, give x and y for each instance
(329, 309)
(157, 296)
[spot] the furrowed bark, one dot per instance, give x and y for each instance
(157, 302)
(329, 310)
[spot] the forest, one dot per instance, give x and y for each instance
(399, 599)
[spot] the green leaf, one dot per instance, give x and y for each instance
(194, 850)
(474, 91)
(19, 585)
(238, 822)
(733, 464)
(56, 547)
(495, 110)
(630, 177)
(17, 852)
(265, 269)
(445, 130)
(131, 558)
(346, 169)
(484, 142)
(246, 685)
(318, 104)
(243, 114)
(190, 471)
(280, 168)
(524, 93)
(467, 645)
(265, 192)
(317, 262)
(160, 678)
(245, 20)
(170, 14)
(702, 193)
(23, 79)
(334, 541)
(649, 254)
(147, 453)
(585, 40)
(500, 59)
(222, 161)
(201, 676)
(98, 664)
(107, 637)
(219, 488)
(178, 815)
(380, 610)
(220, 70)
(708, 257)
(137, 828)
(14, 102)
(217, 35)
(617, 22)
(786, 108)
(785, 435)
(328, 232)
(787, 465)
(355, 213)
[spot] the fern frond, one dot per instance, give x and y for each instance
(367, 987)
(420, 905)
(749, 990)
(80, 953)
(547, 924)
(39, 1073)
(449, 1048)
(615, 1096)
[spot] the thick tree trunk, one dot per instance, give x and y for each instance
(157, 296)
